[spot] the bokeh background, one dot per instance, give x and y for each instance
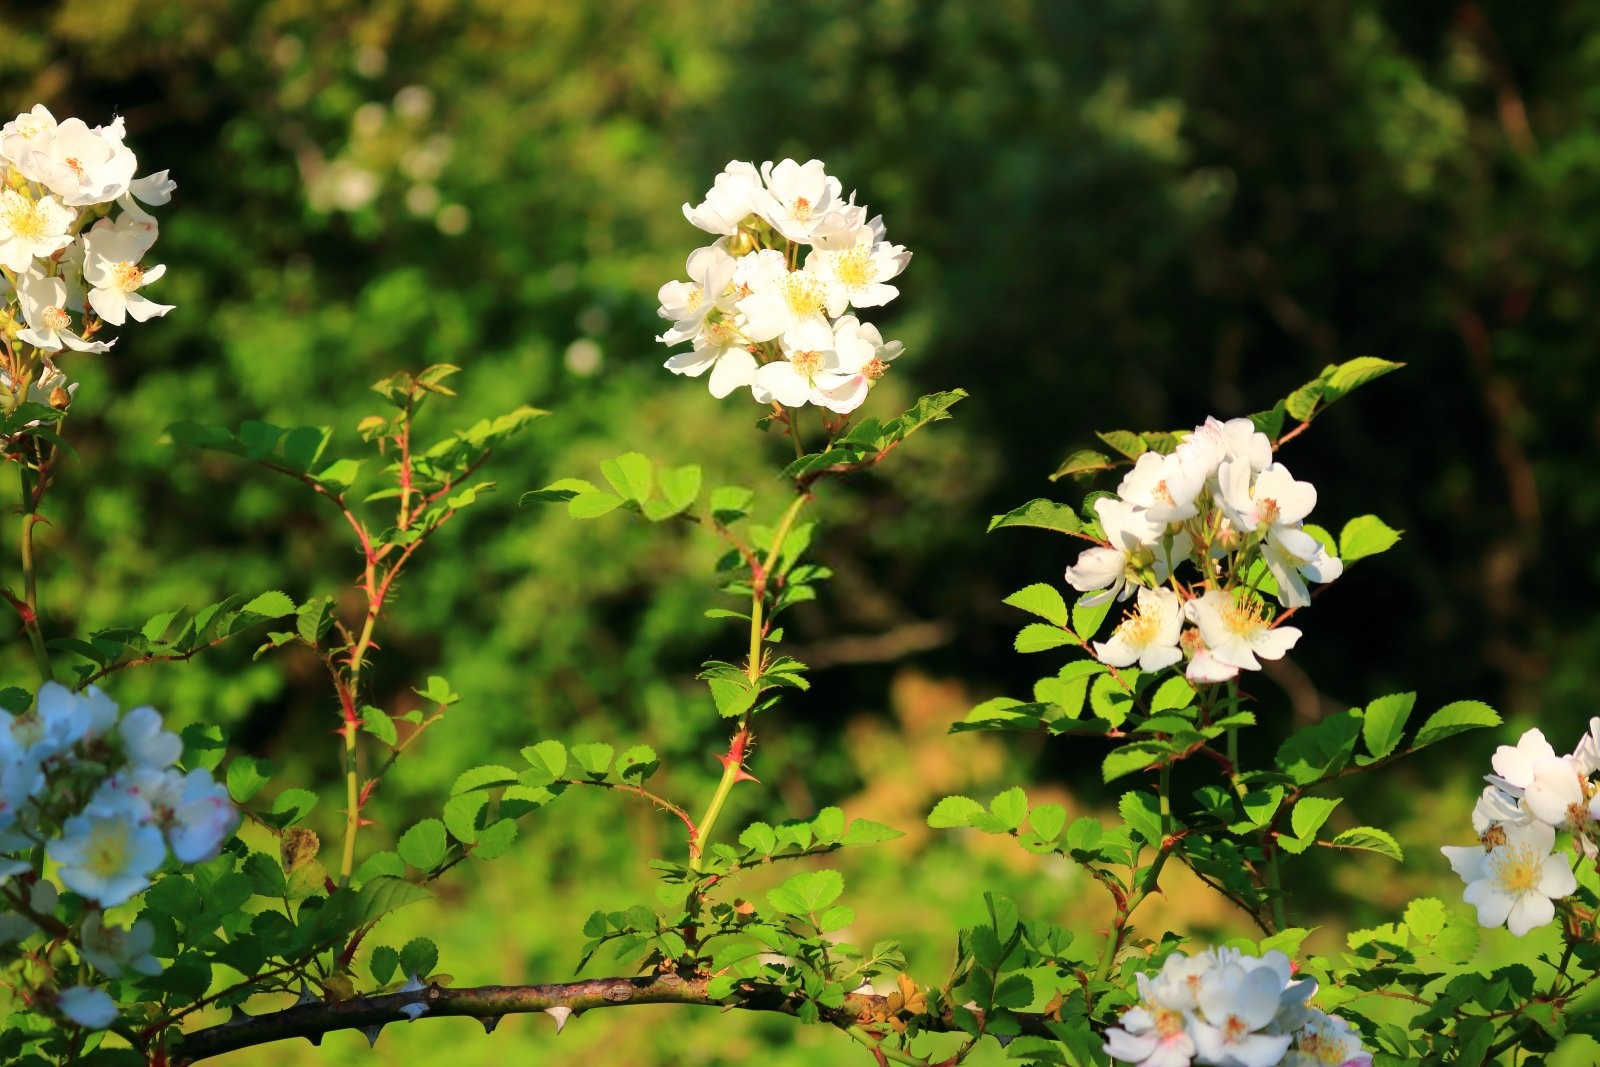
(1128, 213)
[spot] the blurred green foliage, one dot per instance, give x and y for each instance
(1129, 213)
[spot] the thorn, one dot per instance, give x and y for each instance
(741, 775)
(306, 997)
(490, 1023)
(372, 1034)
(315, 1039)
(238, 1015)
(560, 1013)
(413, 985)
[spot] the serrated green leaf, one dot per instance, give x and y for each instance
(487, 776)
(1142, 812)
(1366, 535)
(1384, 722)
(1040, 514)
(1010, 807)
(1309, 813)
(246, 777)
(1038, 637)
(383, 895)
(1126, 442)
(1084, 461)
(807, 893)
(385, 962)
(954, 811)
(594, 758)
(593, 505)
(423, 846)
(1455, 718)
(1043, 600)
(1046, 820)
(270, 605)
(548, 760)
(1087, 618)
(461, 813)
(1370, 839)
(630, 474)
(418, 958)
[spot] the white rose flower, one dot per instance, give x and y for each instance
(1550, 785)
(88, 1007)
(115, 951)
(107, 853)
(1292, 555)
(1235, 1004)
(29, 132)
(81, 165)
(810, 372)
(1498, 807)
(44, 308)
(1148, 636)
(710, 288)
(1214, 441)
(805, 203)
(1236, 631)
(1132, 535)
(31, 228)
(1274, 498)
(145, 740)
(204, 818)
(1165, 485)
(735, 194)
(1515, 880)
(111, 266)
(1326, 1040)
(1155, 1033)
(779, 302)
(858, 274)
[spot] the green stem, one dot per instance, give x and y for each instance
(30, 621)
(1275, 887)
(733, 767)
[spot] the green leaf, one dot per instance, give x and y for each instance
(548, 760)
(1384, 722)
(1010, 807)
(1087, 618)
(730, 503)
(294, 805)
(1126, 442)
(867, 832)
(1352, 374)
(423, 846)
(1173, 694)
(1083, 462)
(1365, 535)
(271, 605)
(1137, 756)
(807, 893)
(1041, 514)
(418, 958)
(495, 840)
(1046, 820)
(638, 763)
(1370, 839)
(246, 777)
(1455, 718)
(340, 474)
(487, 776)
(594, 758)
(1042, 600)
(630, 475)
(1110, 699)
(559, 492)
(1320, 749)
(1309, 813)
(461, 815)
(385, 961)
(732, 696)
(1037, 637)
(377, 723)
(954, 811)
(1142, 812)
(382, 895)
(680, 486)
(758, 837)
(593, 505)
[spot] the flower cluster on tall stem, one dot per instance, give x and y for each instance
(1205, 534)
(768, 304)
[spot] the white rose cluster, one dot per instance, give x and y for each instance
(1219, 503)
(67, 268)
(1230, 1009)
(1514, 874)
(767, 305)
(101, 793)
